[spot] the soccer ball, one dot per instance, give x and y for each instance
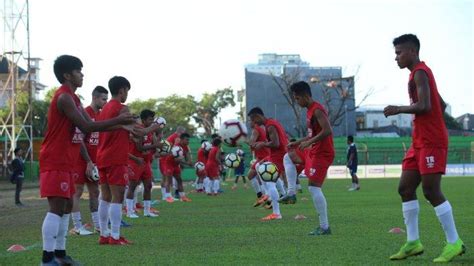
(232, 160)
(240, 152)
(268, 171)
(177, 151)
(206, 145)
(233, 132)
(95, 173)
(160, 121)
(199, 166)
(165, 149)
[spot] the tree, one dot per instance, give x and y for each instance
(451, 123)
(210, 106)
(177, 111)
(138, 105)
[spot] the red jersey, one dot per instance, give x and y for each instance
(325, 147)
(91, 140)
(262, 137)
(281, 136)
(61, 146)
(113, 148)
(202, 156)
(429, 129)
(171, 139)
(148, 141)
(211, 159)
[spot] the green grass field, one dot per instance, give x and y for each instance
(227, 229)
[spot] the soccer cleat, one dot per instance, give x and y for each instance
(53, 262)
(354, 189)
(120, 241)
(81, 232)
(288, 199)
(451, 250)
(410, 248)
(185, 199)
(271, 217)
(170, 199)
(320, 232)
(124, 224)
(133, 215)
(260, 200)
(104, 240)
(151, 214)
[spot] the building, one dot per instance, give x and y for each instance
(467, 121)
(23, 82)
(267, 83)
(373, 117)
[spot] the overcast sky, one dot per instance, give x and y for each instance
(191, 47)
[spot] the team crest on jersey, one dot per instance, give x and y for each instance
(430, 161)
(312, 171)
(64, 186)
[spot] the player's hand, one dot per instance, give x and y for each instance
(259, 145)
(292, 145)
(126, 118)
(137, 131)
(139, 160)
(391, 110)
(89, 169)
(305, 144)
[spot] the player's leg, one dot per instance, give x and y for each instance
(117, 192)
(316, 171)
(409, 182)
(355, 180)
(132, 186)
(272, 189)
(18, 188)
(60, 246)
(93, 189)
(76, 211)
(431, 184)
(147, 187)
(51, 225)
(179, 180)
(290, 160)
(104, 208)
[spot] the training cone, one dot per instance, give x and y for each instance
(304, 199)
(396, 230)
(16, 248)
(300, 217)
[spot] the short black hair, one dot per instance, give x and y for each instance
(301, 88)
(146, 113)
(185, 136)
(407, 38)
(216, 142)
(203, 140)
(255, 111)
(99, 90)
(215, 135)
(65, 64)
(116, 83)
(350, 138)
(17, 149)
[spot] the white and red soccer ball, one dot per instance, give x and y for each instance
(206, 145)
(161, 121)
(177, 152)
(233, 132)
(199, 166)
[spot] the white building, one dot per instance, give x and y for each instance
(373, 117)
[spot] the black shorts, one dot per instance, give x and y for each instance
(352, 169)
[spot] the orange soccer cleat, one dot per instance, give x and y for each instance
(271, 217)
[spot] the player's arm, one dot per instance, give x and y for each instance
(423, 105)
(87, 158)
(274, 141)
(218, 158)
(136, 159)
(67, 106)
(443, 104)
(325, 129)
(351, 157)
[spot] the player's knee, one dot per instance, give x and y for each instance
(406, 192)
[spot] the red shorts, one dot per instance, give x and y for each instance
(277, 159)
(57, 184)
(172, 170)
(212, 171)
(139, 172)
(300, 167)
(201, 174)
(426, 160)
(114, 175)
(79, 174)
(316, 167)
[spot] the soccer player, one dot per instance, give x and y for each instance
(85, 165)
(112, 159)
(140, 159)
(173, 165)
(318, 150)
(59, 152)
(167, 180)
(240, 170)
(277, 142)
(352, 163)
(425, 160)
(258, 135)
(202, 155)
(213, 165)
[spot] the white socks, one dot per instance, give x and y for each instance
(76, 220)
(146, 207)
(320, 204)
(216, 184)
(104, 207)
(50, 230)
(207, 185)
(291, 174)
(115, 219)
(163, 193)
(130, 206)
(62, 233)
(255, 185)
(272, 190)
(181, 194)
(410, 215)
(95, 219)
(281, 187)
(445, 216)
